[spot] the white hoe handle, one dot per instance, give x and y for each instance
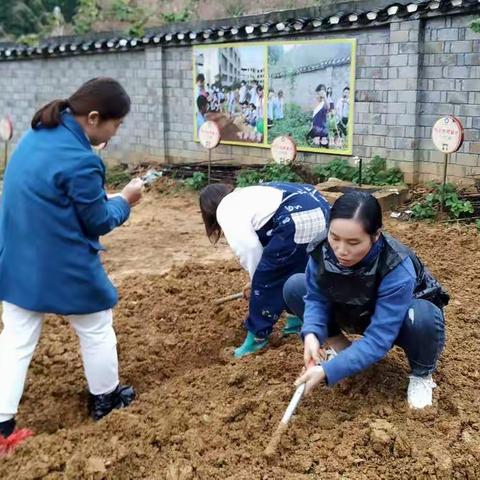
(297, 396)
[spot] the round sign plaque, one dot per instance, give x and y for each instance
(6, 129)
(209, 135)
(447, 134)
(284, 150)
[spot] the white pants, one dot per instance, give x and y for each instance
(21, 331)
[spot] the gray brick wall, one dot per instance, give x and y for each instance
(449, 84)
(408, 74)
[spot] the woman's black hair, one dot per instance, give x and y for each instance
(104, 95)
(360, 206)
(210, 198)
(320, 87)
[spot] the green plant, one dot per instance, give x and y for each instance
(30, 40)
(122, 10)
(86, 14)
(377, 173)
(173, 17)
(475, 25)
(423, 211)
(296, 124)
(393, 176)
(338, 168)
(234, 9)
(428, 207)
(117, 176)
(477, 224)
(137, 28)
(271, 172)
(458, 208)
(137, 17)
(197, 181)
(248, 177)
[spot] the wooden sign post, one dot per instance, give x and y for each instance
(209, 136)
(6, 134)
(447, 136)
(284, 150)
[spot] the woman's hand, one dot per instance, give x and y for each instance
(312, 352)
(132, 192)
(247, 289)
(311, 377)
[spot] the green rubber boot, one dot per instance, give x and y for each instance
(250, 345)
(293, 326)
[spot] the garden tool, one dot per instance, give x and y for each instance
(297, 396)
(282, 426)
(228, 298)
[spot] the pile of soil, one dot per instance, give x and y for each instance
(201, 415)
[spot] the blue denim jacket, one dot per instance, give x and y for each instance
(395, 295)
(53, 210)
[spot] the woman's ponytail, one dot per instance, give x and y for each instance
(103, 95)
(49, 115)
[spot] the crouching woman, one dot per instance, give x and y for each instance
(362, 281)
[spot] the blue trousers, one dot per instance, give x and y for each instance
(422, 335)
(282, 257)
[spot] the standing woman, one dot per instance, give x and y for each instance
(280, 106)
(54, 208)
(319, 132)
(362, 281)
(330, 102)
(268, 226)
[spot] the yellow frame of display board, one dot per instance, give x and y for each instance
(266, 44)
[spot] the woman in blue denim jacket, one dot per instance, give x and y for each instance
(362, 281)
(54, 208)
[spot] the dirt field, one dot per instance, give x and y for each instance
(200, 415)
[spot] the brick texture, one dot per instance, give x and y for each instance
(409, 73)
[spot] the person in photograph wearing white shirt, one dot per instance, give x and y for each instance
(268, 226)
(243, 94)
(343, 109)
(253, 92)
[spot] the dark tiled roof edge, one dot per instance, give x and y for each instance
(340, 16)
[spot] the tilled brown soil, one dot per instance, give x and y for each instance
(200, 415)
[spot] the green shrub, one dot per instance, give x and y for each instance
(428, 207)
(197, 181)
(296, 124)
(86, 14)
(374, 173)
(377, 173)
(338, 168)
(475, 25)
(271, 172)
(173, 17)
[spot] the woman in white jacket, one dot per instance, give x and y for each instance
(268, 226)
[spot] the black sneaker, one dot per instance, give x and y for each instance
(7, 428)
(101, 405)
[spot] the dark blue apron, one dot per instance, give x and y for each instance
(284, 238)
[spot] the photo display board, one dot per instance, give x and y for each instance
(256, 92)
